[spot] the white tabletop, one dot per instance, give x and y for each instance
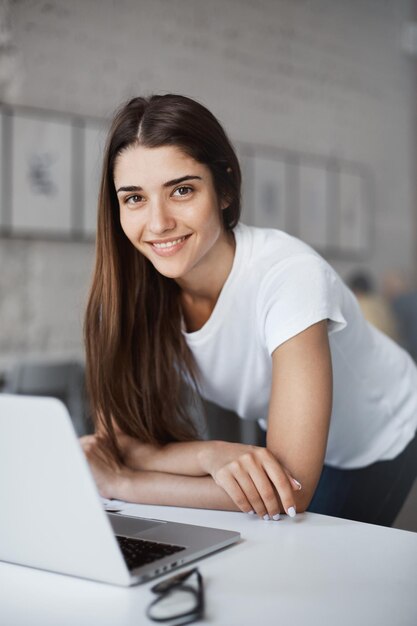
(312, 570)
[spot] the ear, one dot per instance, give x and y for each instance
(225, 203)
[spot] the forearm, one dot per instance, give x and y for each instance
(226, 488)
(147, 487)
(189, 458)
(187, 468)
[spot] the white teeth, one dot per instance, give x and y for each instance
(168, 244)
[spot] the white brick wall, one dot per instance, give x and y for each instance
(322, 76)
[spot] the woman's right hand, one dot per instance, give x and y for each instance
(107, 472)
(252, 477)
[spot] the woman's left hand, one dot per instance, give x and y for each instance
(106, 470)
(252, 477)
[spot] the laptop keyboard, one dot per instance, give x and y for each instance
(138, 552)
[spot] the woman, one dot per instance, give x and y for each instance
(254, 319)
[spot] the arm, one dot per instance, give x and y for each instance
(173, 490)
(300, 407)
(146, 487)
(216, 460)
(256, 478)
(173, 458)
(298, 424)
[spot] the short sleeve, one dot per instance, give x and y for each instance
(295, 294)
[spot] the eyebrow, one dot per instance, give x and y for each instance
(169, 183)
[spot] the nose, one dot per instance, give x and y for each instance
(160, 218)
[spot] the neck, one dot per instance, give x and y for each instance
(207, 280)
(201, 289)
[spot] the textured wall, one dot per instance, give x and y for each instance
(322, 76)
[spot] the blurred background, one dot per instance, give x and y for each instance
(318, 96)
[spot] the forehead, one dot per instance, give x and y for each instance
(139, 165)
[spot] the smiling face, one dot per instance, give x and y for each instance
(169, 209)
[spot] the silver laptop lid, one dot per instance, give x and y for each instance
(51, 514)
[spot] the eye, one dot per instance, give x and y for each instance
(182, 191)
(133, 200)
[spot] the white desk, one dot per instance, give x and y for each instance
(313, 570)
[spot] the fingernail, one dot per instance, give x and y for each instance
(266, 517)
(276, 517)
(297, 483)
(251, 512)
(291, 511)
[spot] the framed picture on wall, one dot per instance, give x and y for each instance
(41, 197)
(270, 193)
(354, 215)
(94, 141)
(313, 201)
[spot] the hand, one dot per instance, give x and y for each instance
(253, 478)
(106, 471)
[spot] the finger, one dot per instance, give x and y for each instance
(267, 493)
(86, 446)
(256, 484)
(294, 483)
(86, 439)
(226, 481)
(282, 484)
(248, 487)
(95, 451)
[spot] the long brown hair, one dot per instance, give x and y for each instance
(137, 358)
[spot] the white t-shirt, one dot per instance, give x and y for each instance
(278, 287)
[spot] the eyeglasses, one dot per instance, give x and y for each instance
(180, 599)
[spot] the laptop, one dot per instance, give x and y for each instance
(52, 516)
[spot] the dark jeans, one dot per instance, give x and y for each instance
(374, 494)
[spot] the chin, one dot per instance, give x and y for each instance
(169, 272)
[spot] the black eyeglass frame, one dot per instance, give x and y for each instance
(165, 587)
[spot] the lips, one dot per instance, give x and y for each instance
(168, 247)
(168, 244)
